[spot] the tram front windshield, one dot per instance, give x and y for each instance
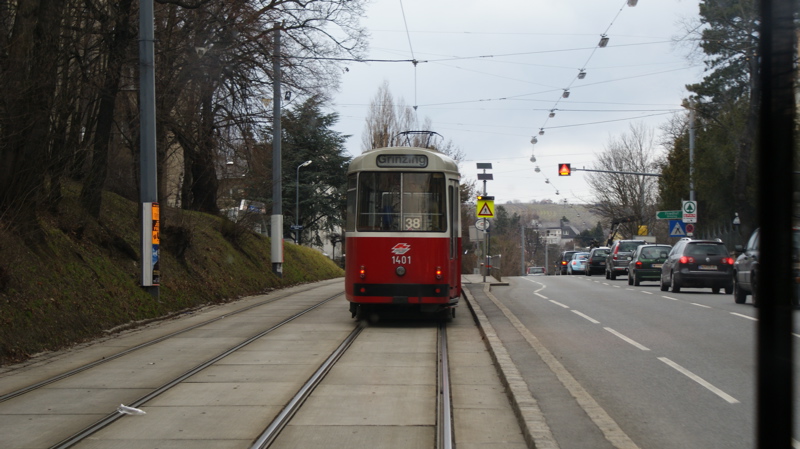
(390, 201)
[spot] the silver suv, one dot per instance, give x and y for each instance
(617, 260)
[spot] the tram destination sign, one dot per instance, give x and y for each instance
(402, 161)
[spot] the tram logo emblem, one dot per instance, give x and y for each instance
(401, 248)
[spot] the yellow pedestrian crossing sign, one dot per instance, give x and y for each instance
(485, 207)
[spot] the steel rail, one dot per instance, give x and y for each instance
(444, 428)
(104, 422)
(109, 358)
(273, 430)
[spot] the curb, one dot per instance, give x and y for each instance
(530, 417)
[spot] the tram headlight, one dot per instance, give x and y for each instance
(362, 272)
(438, 272)
(400, 271)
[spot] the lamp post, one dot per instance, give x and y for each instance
(297, 226)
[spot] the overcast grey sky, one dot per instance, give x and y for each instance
(490, 72)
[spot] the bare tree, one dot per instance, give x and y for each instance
(388, 118)
(620, 195)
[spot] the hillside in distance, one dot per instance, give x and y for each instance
(580, 216)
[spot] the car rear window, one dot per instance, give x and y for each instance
(706, 249)
(655, 253)
(603, 252)
(630, 246)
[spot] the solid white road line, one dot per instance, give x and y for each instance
(629, 340)
(586, 316)
(540, 295)
(730, 399)
(559, 304)
(744, 316)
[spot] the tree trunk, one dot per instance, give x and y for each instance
(31, 83)
(91, 194)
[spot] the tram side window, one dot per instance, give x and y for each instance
(350, 222)
(379, 202)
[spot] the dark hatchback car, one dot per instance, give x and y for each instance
(745, 269)
(617, 260)
(698, 263)
(597, 260)
(645, 263)
(561, 265)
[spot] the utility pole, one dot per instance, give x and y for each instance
(276, 223)
(148, 191)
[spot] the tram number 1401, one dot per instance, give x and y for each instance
(401, 260)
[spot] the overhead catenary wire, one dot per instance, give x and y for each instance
(580, 75)
(411, 48)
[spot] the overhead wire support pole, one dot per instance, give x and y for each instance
(276, 222)
(148, 189)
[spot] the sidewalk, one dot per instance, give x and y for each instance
(478, 279)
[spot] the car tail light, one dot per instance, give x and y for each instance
(438, 272)
(727, 261)
(362, 272)
(638, 264)
(563, 262)
(686, 259)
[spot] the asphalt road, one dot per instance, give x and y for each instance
(631, 366)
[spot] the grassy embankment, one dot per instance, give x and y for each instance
(83, 281)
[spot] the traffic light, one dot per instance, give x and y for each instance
(485, 198)
(564, 170)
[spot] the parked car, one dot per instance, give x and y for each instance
(645, 263)
(698, 263)
(617, 260)
(597, 260)
(536, 271)
(745, 268)
(578, 263)
(561, 265)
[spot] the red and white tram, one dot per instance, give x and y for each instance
(403, 233)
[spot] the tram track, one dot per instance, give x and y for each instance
(111, 418)
(35, 386)
(444, 421)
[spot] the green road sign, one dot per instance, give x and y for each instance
(669, 215)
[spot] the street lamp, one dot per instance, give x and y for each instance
(297, 226)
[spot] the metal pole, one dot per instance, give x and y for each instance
(485, 241)
(148, 193)
(297, 228)
(691, 150)
(297, 206)
(276, 231)
(522, 246)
